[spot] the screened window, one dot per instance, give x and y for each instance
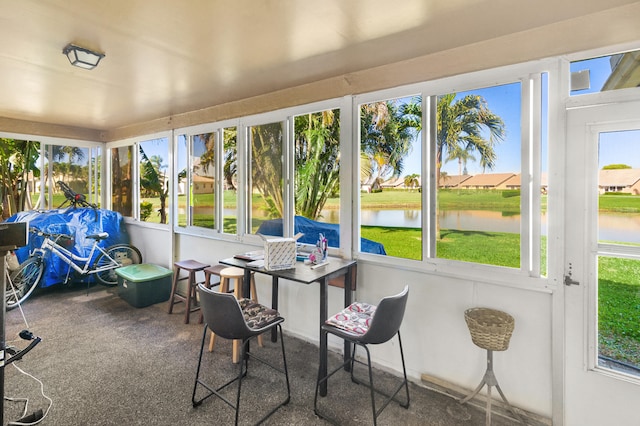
(266, 190)
(390, 177)
(154, 180)
(482, 196)
(605, 73)
(122, 180)
(478, 169)
(317, 175)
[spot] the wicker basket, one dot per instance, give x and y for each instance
(490, 329)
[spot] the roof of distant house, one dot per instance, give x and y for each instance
(618, 177)
(487, 179)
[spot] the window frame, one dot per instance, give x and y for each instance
(530, 76)
(108, 172)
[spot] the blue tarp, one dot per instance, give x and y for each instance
(311, 229)
(77, 222)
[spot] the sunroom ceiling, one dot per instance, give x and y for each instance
(170, 57)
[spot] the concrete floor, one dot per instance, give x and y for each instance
(104, 362)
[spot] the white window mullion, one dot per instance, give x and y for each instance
(536, 174)
(429, 184)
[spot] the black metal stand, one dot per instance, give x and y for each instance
(3, 273)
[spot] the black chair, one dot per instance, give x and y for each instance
(243, 319)
(362, 324)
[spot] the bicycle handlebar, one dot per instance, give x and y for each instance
(41, 233)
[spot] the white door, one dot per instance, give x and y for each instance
(602, 266)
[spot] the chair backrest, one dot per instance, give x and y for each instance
(222, 314)
(387, 318)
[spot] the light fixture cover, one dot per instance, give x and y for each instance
(82, 57)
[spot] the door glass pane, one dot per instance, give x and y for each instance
(619, 314)
(619, 230)
(619, 187)
(266, 187)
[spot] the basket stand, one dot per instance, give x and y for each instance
(489, 377)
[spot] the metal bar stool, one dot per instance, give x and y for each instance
(491, 330)
(191, 266)
(237, 274)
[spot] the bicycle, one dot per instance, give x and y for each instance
(26, 278)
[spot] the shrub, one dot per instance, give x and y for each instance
(146, 208)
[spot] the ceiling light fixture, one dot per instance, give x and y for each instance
(82, 57)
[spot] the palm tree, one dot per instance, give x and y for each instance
(412, 181)
(317, 160)
(387, 129)
(71, 153)
(460, 126)
(17, 159)
(153, 180)
(230, 167)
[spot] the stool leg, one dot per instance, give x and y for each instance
(191, 280)
(174, 286)
(207, 284)
(237, 344)
(224, 287)
(254, 297)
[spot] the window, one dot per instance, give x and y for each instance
(230, 180)
(154, 180)
(478, 170)
(266, 190)
(32, 169)
(390, 177)
(457, 176)
(317, 176)
(202, 180)
(122, 180)
(613, 72)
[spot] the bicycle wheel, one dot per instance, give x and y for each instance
(123, 254)
(23, 281)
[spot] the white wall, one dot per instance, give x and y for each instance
(435, 336)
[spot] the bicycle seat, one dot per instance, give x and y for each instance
(99, 237)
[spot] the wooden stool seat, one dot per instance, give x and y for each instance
(212, 270)
(208, 271)
(232, 273)
(191, 266)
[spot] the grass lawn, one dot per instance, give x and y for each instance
(619, 309)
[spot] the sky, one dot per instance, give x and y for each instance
(504, 101)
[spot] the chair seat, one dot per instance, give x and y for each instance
(257, 316)
(355, 318)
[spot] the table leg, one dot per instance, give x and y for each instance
(348, 277)
(274, 305)
(322, 369)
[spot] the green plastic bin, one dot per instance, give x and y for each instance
(144, 284)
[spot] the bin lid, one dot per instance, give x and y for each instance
(143, 272)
